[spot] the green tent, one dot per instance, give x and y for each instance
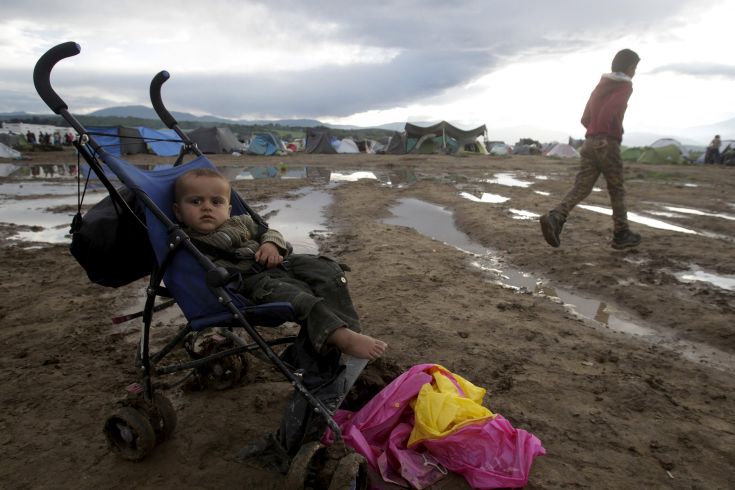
(631, 154)
(662, 155)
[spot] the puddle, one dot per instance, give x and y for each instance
(509, 180)
(320, 174)
(34, 212)
(438, 223)
(352, 177)
(485, 197)
(298, 219)
(665, 214)
(643, 220)
(523, 214)
(40, 171)
(596, 189)
(698, 212)
(542, 193)
(695, 274)
(37, 188)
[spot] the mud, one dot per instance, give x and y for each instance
(614, 408)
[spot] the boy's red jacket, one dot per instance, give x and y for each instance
(605, 109)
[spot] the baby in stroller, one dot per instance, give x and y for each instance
(262, 269)
(202, 205)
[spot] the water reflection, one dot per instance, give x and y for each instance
(438, 223)
(523, 214)
(299, 219)
(508, 179)
(396, 178)
(637, 218)
(695, 274)
(485, 197)
(698, 212)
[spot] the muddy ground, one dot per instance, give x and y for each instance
(614, 409)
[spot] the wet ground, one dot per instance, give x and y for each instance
(620, 362)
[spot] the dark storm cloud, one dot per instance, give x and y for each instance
(338, 91)
(440, 45)
(714, 70)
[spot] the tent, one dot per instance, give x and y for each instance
(444, 137)
(663, 142)
(162, 142)
(563, 150)
(347, 145)
(107, 138)
(8, 152)
(473, 148)
(17, 141)
(265, 144)
(319, 140)
(397, 144)
(366, 146)
(500, 149)
(661, 155)
(131, 142)
(631, 154)
(215, 140)
(119, 140)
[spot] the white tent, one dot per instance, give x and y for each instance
(8, 152)
(501, 149)
(347, 146)
(660, 143)
(563, 150)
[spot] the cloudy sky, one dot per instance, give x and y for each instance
(507, 64)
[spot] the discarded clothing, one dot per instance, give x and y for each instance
(428, 421)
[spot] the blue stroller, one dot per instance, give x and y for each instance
(204, 292)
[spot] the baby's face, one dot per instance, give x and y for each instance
(204, 203)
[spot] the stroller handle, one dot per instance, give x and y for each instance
(42, 74)
(157, 102)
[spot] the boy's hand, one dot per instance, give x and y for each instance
(268, 255)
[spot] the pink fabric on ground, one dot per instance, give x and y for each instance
(489, 454)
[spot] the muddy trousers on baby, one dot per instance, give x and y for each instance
(316, 286)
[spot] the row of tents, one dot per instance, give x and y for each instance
(668, 150)
(442, 137)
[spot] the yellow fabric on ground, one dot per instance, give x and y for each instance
(440, 409)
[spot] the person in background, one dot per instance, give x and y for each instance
(600, 153)
(712, 155)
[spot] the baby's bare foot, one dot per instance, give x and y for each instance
(356, 344)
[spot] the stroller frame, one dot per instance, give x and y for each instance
(158, 409)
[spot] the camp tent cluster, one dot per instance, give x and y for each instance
(442, 137)
(661, 151)
(321, 140)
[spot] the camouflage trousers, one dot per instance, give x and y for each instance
(599, 155)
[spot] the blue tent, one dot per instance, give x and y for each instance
(162, 142)
(264, 144)
(107, 138)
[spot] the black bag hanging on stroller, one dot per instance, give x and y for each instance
(111, 241)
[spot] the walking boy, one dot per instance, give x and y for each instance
(600, 153)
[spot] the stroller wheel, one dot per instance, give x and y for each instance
(130, 434)
(224, 373)
(305, 466)
(165, 421)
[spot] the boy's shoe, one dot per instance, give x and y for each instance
(551, 225)
(625, 239)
